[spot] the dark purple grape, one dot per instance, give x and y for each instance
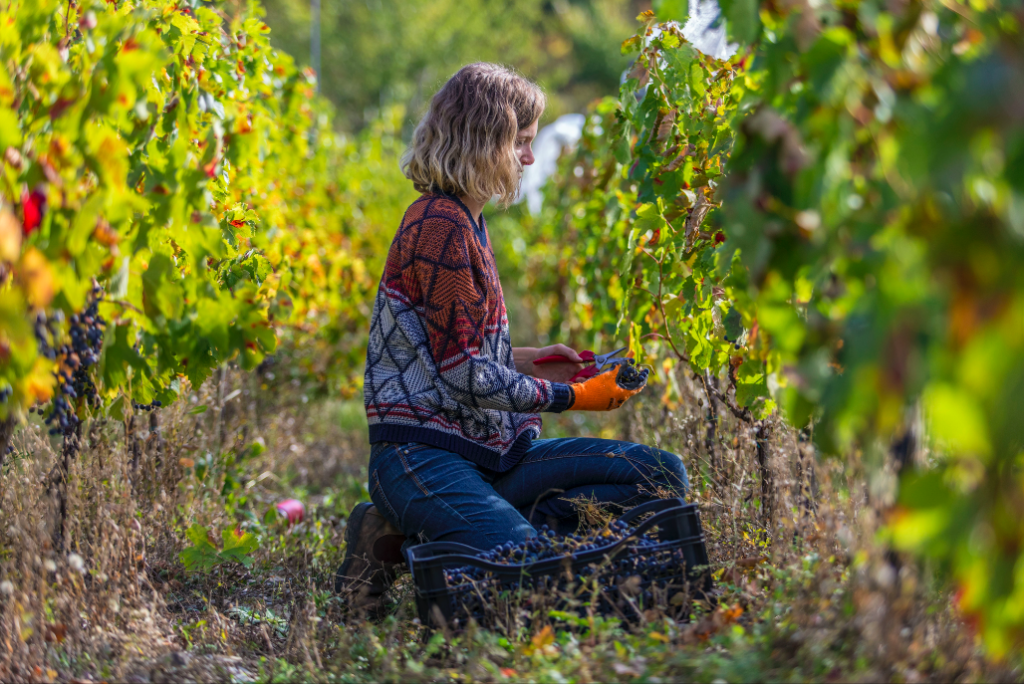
(630, 378)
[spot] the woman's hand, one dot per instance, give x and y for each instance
(557, 371)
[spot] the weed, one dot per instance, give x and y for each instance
(815, 594)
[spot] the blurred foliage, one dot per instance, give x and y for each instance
(377, 54)
(876, 196)
(171, 156)
(862, 256)
(335, 241)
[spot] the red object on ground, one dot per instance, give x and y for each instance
(292, 509)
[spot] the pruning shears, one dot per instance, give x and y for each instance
(601, 362)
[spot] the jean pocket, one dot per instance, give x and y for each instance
(407, 456)
(379, 498)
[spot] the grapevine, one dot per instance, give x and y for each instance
(212, 203)
(829, 244)
(636, 198)
(73, 378)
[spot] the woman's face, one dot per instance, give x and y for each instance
(524, 140)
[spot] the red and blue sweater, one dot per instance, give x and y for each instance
(439, 366)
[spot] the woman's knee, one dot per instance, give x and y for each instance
(664, 468)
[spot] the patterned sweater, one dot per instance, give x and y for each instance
(439, 366)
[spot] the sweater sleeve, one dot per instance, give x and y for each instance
(455, 283)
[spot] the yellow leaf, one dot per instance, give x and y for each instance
(36, 278)
(543, 637)
(38, 385)
(10, 236)
(957, 420)
(912, 530)
(110, 154)
(543, 642)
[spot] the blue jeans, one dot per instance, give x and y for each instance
(435, 495)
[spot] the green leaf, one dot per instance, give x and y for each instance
(118, 287)
(10, 131)
(827, 55)
(161, 289)
(697, 76)
(270, 517)
(119, 355)
(956, 420)
(625, 276)
(733, 323)
(672, 10)
(648, 217)
(742, 20)
(238, 547)
(116, 410)
(751, 383)
(202, 555)
(84, 223)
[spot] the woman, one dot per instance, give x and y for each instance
(452, 406)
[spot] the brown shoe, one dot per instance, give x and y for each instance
(372, 557)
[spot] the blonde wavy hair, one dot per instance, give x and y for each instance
(465, 144)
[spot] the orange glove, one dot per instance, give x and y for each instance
(604, 392)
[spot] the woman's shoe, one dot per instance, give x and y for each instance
(373, 555)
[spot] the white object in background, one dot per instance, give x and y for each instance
(702, 32)
(704, 28)
(564, 133)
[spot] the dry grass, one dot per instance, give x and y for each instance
(809, 588)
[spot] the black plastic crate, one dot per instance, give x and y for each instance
(667, 543)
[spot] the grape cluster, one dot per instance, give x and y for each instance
(146, 407)
(548, 544)
(77, 357)
(646, 573)
(631, 378)
(43, 330)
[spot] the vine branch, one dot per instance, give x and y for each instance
(741, 413)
